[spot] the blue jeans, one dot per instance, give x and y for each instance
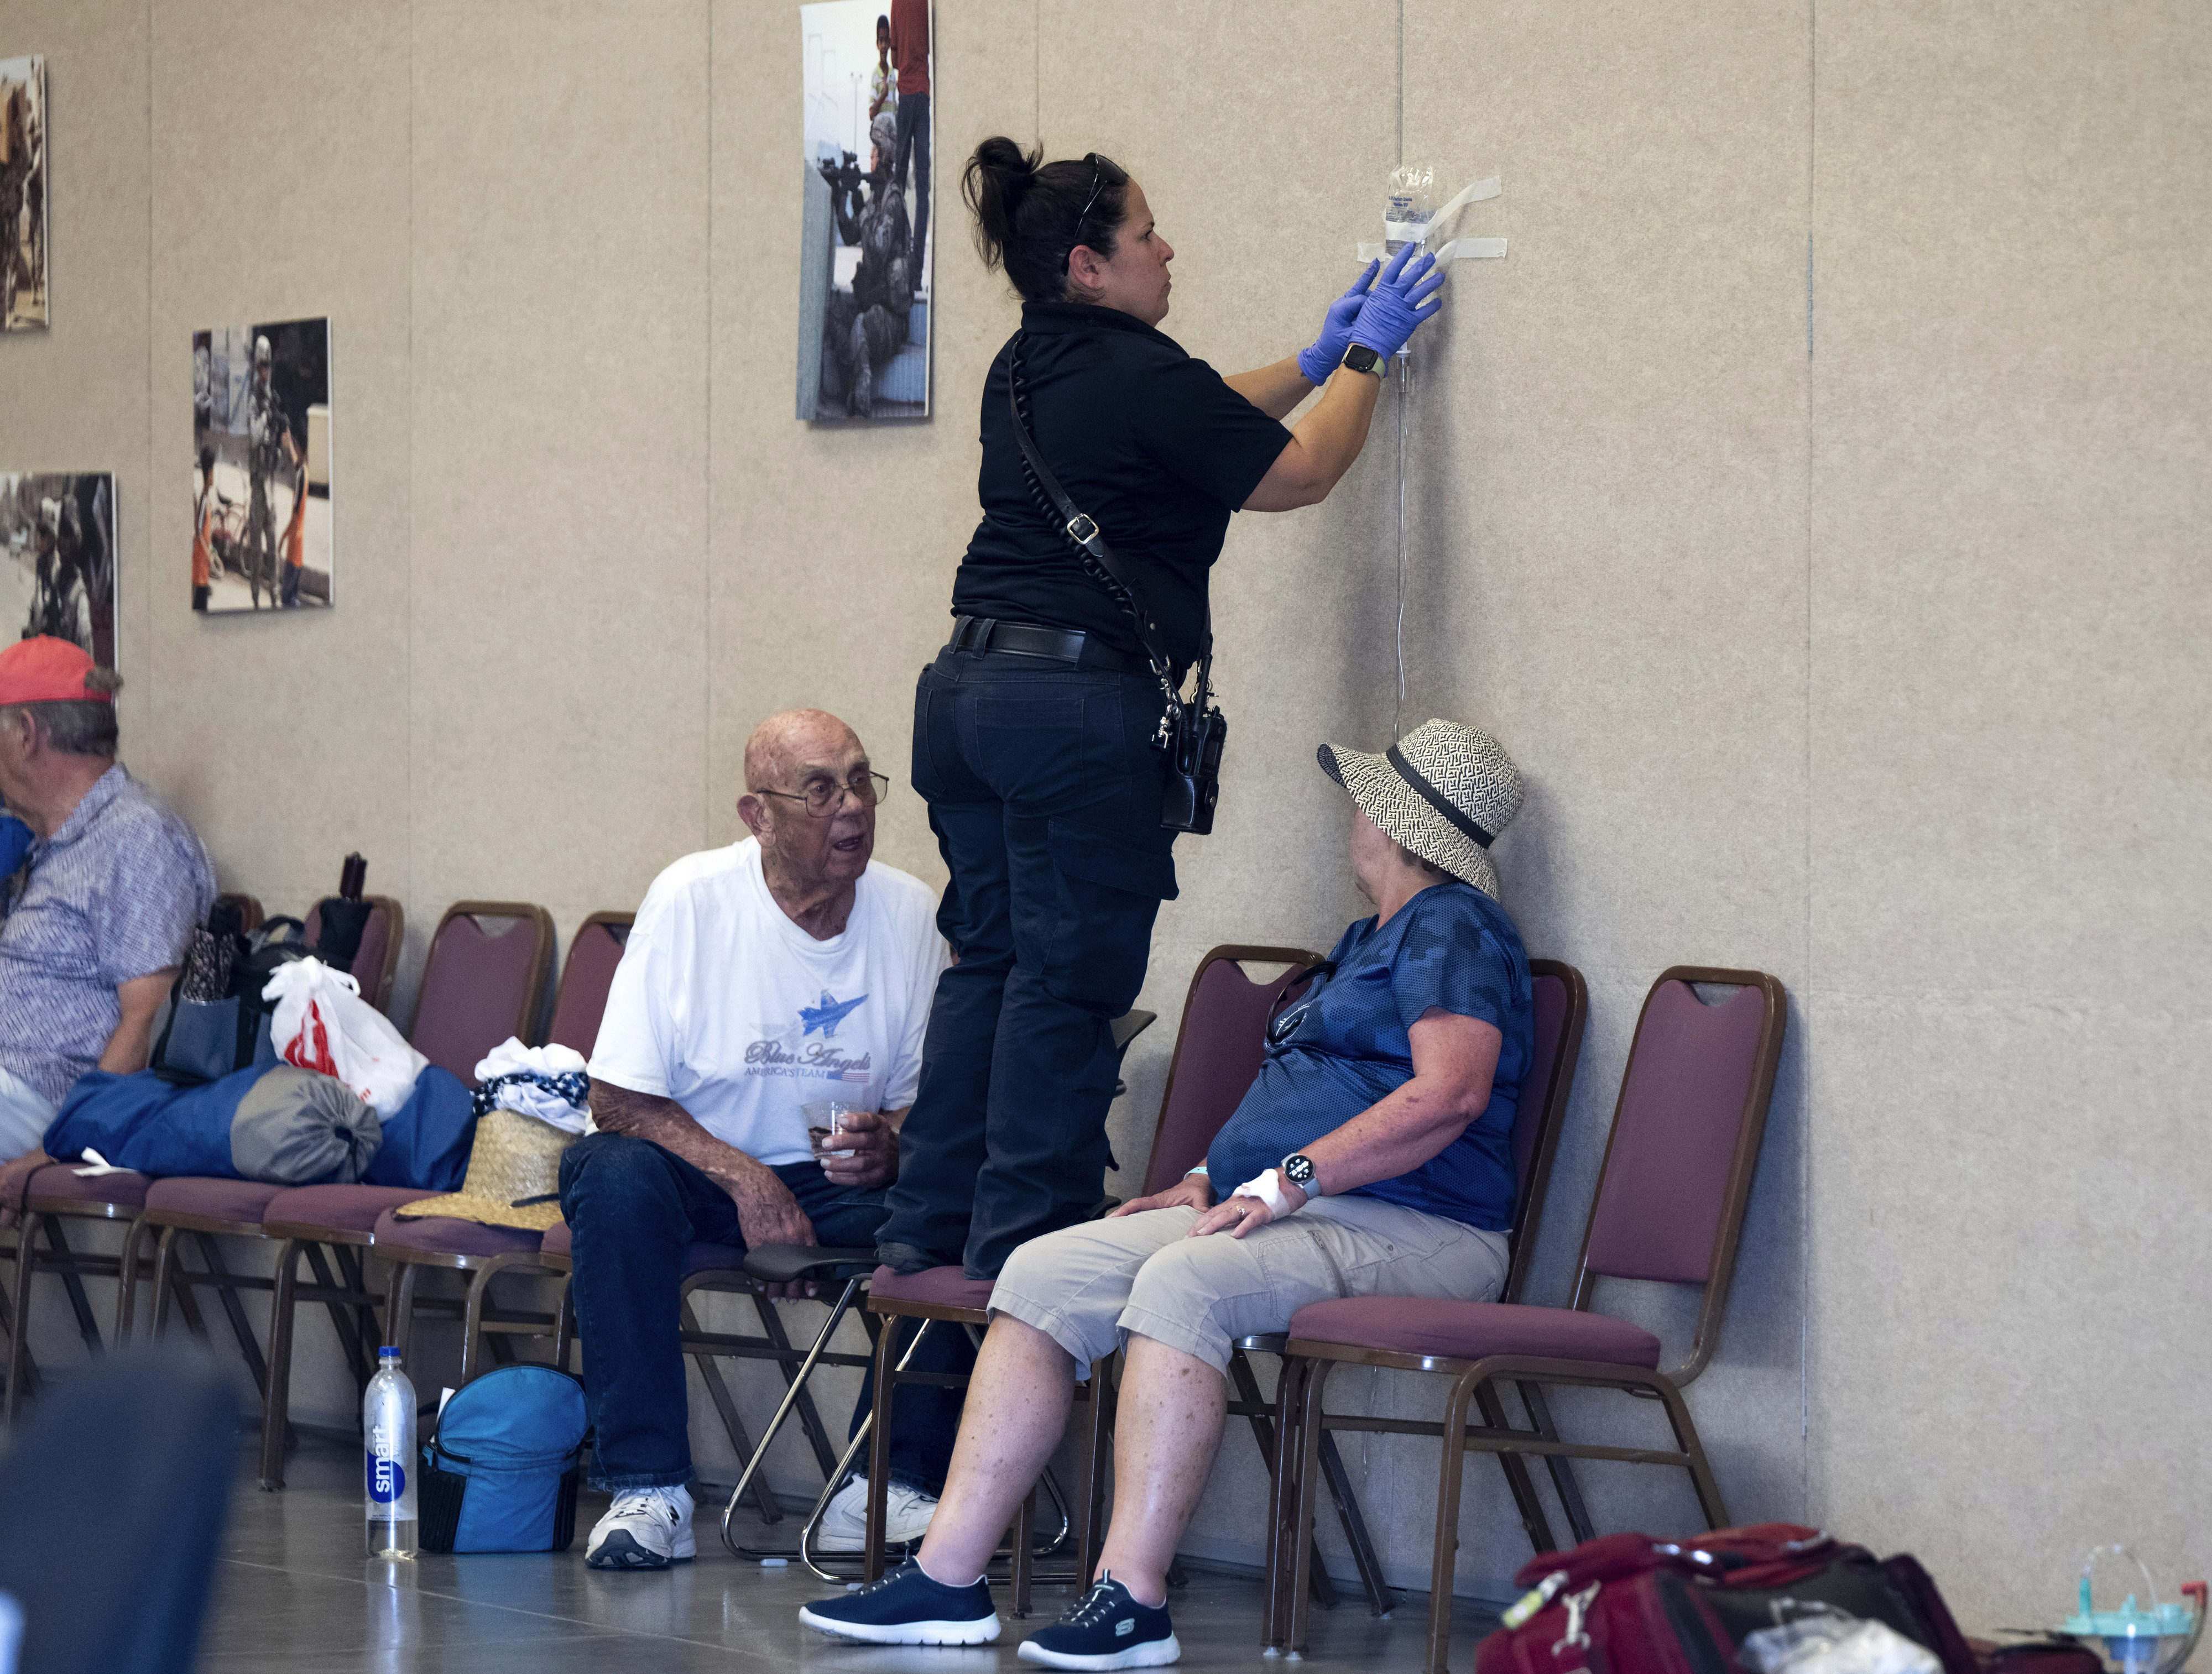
(1044, 791)
(634, 1211)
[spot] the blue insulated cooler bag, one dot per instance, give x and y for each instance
(500, 1468)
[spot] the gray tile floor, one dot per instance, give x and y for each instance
(294, 1592)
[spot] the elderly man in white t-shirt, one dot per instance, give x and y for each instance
(786, 970)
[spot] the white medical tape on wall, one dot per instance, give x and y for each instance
(1458, 249)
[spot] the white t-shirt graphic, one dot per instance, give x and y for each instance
(723, 1005)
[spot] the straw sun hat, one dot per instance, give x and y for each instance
(513, 1158)
(1444, 790)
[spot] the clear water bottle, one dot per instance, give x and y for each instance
(387, 1421)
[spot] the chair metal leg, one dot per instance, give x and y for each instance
(809, 1420)
(1097, 1458)
(1263, 1432)
(367, 1331)
(1300, 1532)
(73, 1283)
(880, 1444)
(564, 1326)
(400, 1308)
(740, 1443)
(794, 1395)
(18, 1320)
(1516, 1474)
(472, 1323)
(1700, 1468)
(165, 1281)
(1450, 1477)
(1024, 1537)
(240, 1327)
(1564, 1481)
(1281, 1496)
(126, 1282)
(275, 1401)
(345, 1318)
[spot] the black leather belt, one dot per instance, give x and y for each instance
(1022, 639)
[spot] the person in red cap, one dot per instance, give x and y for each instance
(97, 921)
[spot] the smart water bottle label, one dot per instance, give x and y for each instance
(387, 1479)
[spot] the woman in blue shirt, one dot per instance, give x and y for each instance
(1370, 1157)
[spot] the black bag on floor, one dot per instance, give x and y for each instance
(501, 1465)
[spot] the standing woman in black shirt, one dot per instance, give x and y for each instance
(1034, 732)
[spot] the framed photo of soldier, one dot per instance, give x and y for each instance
(261, 468)
(866, 230)
(58, 577)
(22, 194)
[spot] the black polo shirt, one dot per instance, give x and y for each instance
(1149, 441)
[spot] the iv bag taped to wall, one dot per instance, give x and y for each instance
(1407, 209)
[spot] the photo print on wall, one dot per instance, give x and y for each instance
(866, 226)
(22, 194)
(261, 467)
(59, 575)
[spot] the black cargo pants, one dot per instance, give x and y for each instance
(1044, 791)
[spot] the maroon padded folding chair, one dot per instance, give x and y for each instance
(53, 1196)
(1669, 1206)
(1219, 1046)
(376, 961)
(480, 985)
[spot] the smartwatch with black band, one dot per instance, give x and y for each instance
(1360, 358)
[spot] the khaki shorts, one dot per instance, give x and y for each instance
(1089, 1287)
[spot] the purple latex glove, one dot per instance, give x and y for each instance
(1316, 363)
(1402, 298)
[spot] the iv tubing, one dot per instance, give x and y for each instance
(1405, 397)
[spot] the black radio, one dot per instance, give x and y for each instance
(1193, 781)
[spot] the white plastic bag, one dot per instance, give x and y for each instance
(321, 1022)
(1834, 1643)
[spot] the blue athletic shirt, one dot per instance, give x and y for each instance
(1347, 1047)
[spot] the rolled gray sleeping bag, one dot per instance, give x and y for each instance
(296, 1127)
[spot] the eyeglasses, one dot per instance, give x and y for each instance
(1282, 1026)
(1099, 164)
(825, 797)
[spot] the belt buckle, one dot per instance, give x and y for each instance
(1081, 530)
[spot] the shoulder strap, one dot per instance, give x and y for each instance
(1079, 528)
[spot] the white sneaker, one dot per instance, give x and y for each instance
(844, 1528)
(646, 1528)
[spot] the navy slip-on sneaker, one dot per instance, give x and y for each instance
(907, 1608)
(1106, 1628)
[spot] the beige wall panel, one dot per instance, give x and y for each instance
(834, 546)
(559, 532)
(1607, 566)
(300, 212)
(75, 393)
(2008, 690)
(2014, 450)
(1998, 1376)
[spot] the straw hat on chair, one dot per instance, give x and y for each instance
(513, 1178)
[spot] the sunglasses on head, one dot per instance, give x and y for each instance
(1099, 164)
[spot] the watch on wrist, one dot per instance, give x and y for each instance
(1360, 358)
(1298, 1170)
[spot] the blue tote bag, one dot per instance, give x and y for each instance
(500, 1468)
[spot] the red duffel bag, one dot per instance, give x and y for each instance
(1626, 1604)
